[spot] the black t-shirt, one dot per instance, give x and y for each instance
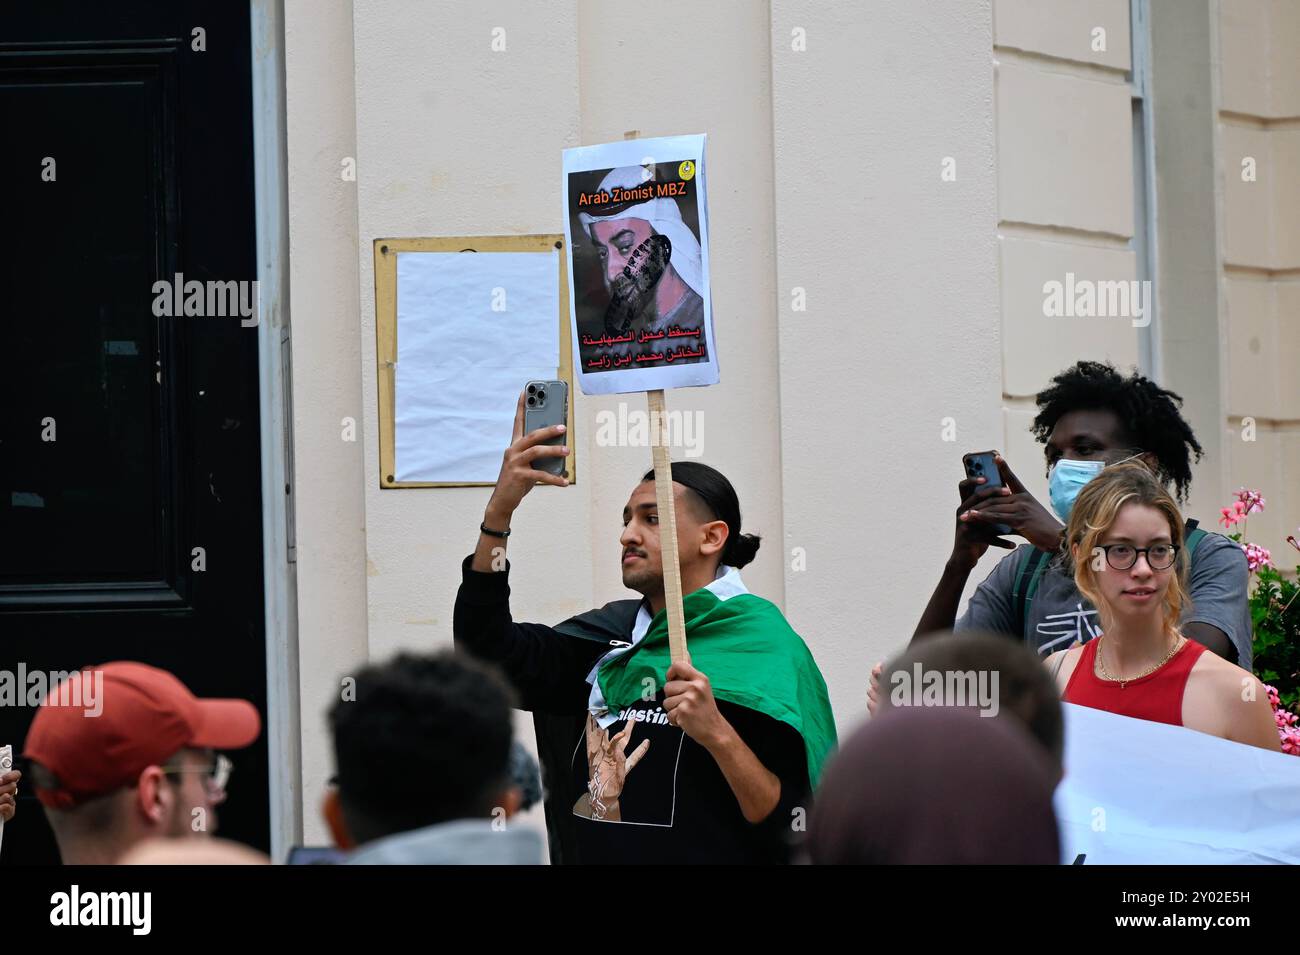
(674, 805)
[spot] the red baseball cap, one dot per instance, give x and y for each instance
(126, 716)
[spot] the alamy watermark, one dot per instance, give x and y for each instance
(32, 688)
(922, 687)
(211, 299)
(626, 428)
(1086, 298)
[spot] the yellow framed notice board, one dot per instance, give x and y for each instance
(461, 324)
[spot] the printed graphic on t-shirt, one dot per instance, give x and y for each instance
(1065, 629)
(630, 767)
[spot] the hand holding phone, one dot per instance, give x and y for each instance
(983, 464)
(546, 404)
(529, 444)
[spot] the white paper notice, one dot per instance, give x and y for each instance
(472, 329)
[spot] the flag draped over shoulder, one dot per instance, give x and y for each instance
(752, 658)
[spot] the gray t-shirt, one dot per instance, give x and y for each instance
(1059, 615)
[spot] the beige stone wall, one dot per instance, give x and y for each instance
(1259, 126)
(327, 394)
(900, 334)
(1065, 196)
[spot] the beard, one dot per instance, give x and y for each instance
(631, 293)
(643, 580)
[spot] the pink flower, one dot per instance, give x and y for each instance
(1252, 501)
(1288, 730)
(1291, 742)
(1229, 516)
(1257, 557)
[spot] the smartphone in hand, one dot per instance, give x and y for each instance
(546, 403)
(981, 464)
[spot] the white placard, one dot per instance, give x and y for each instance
(1138, 792)
(636, 219)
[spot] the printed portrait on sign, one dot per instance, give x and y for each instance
(639, 269)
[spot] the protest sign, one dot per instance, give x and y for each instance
(1139, 792)
(636, 223)
(636, 220)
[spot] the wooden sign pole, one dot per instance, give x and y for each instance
(667, 527)
(667, 506)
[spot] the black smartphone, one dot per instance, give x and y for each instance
(546, 403)
(981, 464)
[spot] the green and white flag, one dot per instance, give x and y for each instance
(752, 657)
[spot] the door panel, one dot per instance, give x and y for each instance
(130, 502)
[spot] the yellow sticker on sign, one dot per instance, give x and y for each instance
(686, 170)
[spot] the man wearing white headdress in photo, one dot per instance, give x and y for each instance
(659, 300)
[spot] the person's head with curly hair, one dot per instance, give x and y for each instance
(1091, 412)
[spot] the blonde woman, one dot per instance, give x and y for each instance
(1125, 539)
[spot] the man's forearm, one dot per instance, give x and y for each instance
(757, 789)
(490, 554)
(941, 612)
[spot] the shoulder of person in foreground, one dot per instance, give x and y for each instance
(1224, 700)
(192, 852)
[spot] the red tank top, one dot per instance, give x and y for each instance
(1157, 696)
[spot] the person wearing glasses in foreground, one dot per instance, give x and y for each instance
(1124, 539)
(145, 766)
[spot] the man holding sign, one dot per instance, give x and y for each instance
(646, 760)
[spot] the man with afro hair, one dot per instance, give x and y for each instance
(1089, 417)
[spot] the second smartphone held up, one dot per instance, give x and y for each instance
(546, 403)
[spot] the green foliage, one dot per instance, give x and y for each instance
(1275, 613)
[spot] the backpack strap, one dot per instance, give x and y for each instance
(1192, 535)
(1028, 575)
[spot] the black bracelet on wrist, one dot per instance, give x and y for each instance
(491, 533)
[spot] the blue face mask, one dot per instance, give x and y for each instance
(1066, 481)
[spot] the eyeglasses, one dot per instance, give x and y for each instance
(1124, 556)
(216, 775)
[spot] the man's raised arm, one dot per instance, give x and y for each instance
(517, 478)
(547, 671)
(981, 508)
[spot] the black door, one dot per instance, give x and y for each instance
(130, 504)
